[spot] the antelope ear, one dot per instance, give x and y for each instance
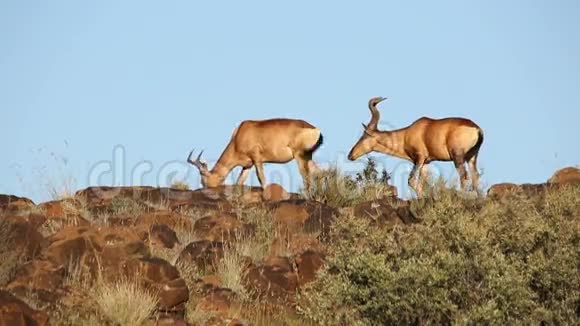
(365, 127)
(368, 132)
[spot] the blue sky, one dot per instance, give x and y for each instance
(87, 88)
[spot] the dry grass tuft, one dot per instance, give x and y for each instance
(231, 270)
(336, 189)
(10, 259)
(180, 185)
(125, 302)
(125, 206)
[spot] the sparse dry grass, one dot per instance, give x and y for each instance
(265, 314)
(125, 206)
(180, 185)
(73, 209)
(185, 236)
(231, 270)
(256, 246)
(197, 316)
(76, 207)
(28, 210)
(336, 189)
(79, 306)
(125, 302)
(10, 259)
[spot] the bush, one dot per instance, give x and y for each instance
(470, 261)
(334, 188)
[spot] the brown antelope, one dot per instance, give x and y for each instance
(254, 143)
(424, 141)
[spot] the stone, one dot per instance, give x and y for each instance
(386, 211)
(503, 189)
(203, 253)
(567, 175)
(274, 192)
(10, 204)
(14, 312)
(220, 227)
(162, 235)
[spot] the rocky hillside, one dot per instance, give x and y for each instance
(247, 256)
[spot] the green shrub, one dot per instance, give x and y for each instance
(469, 261)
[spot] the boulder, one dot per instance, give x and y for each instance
(161, 235)
(308, 264)
(276, 279)
(22, 235)
(111, 246)
(386, 211)
(290, 216)
(567, 175)
(319, 218)
(292, 245)
(220, 227)
(163, 279)
(14, 312)
(274, 192)
(113, 253)
(173, 220)
(40, 277)
(203, 254)
(14, 204)
(503, 189)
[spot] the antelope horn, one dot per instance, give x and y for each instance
(375, 115)
(197, 162)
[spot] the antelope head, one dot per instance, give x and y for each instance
(208, 179)
(368, 140)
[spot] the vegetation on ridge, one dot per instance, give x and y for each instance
(468, 260)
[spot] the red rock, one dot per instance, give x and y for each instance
(163, 278)
(220, 227)
(218, 301)
(567, 175)
(171, 219)
(169, 321)
(40, 277)
(14, 204)
(320, 216)
(163, 236)
(274, 192)
(24, 239)
(211, 280)
(386, 211)
(294, 245)
(290, 216)
(202, 253)
(308, 264)
(275, 279)
(503, 189)
(14, 312)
